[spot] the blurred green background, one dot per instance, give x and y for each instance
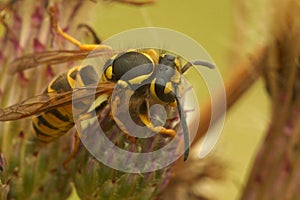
(213, 25)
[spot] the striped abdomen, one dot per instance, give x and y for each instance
(54, 123)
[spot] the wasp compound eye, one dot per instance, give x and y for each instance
(162, 87)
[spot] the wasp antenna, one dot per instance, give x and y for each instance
(204, 63)
(184, 126)
(198, 62)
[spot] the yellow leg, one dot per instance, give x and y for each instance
(59, 31)
(76, 139)
(119, 122)
(74, 151)
(158, 129)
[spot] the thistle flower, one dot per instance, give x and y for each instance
(95, 180)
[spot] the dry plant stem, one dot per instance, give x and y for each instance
(245, 74)
(276, 174)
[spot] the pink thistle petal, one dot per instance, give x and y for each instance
(24, 81)
(3, 162)
(49, 73)
(17, 22)
(37, 16)
(38, 46)
(1, 57)
(288, 129)
(21, 135)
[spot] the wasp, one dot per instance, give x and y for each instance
(51, 111)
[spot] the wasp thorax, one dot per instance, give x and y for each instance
(168, 60)
(138, 64)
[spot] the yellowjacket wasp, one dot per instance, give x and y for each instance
(54, 106)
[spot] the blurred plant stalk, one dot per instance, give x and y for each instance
(246, 73)
(276, 170)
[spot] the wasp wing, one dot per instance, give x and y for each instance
(48, 101)
(54, 57)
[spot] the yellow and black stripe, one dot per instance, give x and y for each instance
(54, 123)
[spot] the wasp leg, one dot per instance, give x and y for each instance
(59, 31)
(78, 129)
(144, 116)
(184, 125)
(119, 123)
(74, 151)
(92, 32)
